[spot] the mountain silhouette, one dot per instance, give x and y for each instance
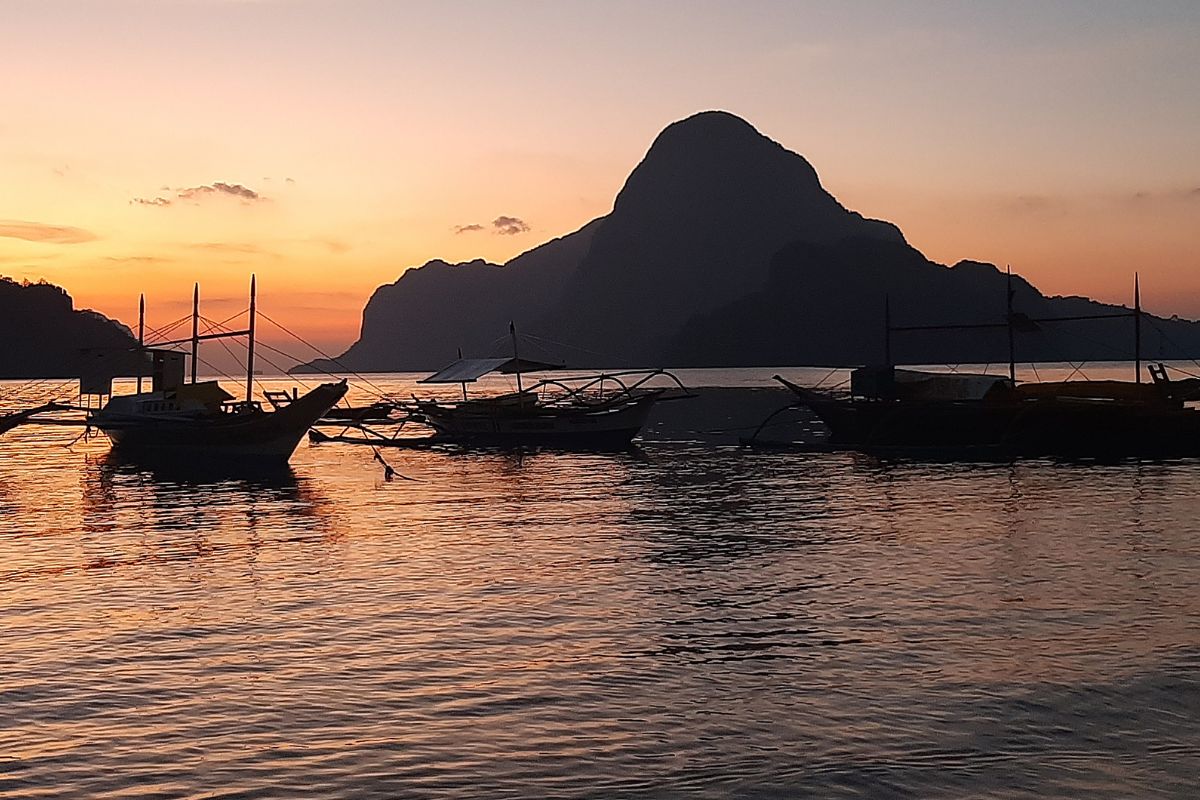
(44, 335)
(825, 305)
(722, 248)
(695, 225)
(430, 313)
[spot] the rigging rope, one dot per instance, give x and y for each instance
(219, 327)
(1173, 343)
(379, 391)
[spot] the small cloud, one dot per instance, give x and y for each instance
(220, 187)
(230, 247)
(40, 232)
(1032, 206)
(335, 246)
(194, 193)
(1163, 197)
(288, 180)
(467, 228)
(140, 260)
(509, 226)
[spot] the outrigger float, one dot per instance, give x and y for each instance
(185, 421)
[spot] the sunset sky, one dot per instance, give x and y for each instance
(327, 146)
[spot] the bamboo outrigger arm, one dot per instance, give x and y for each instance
(10, 421)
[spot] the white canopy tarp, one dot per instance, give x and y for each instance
(467, 370)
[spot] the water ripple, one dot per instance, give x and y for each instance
(681, 621)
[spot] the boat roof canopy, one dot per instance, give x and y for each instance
(206, 392)
(915, 384)
(467, 370)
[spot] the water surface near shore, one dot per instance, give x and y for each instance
(685, 619)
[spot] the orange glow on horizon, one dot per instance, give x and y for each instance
(365, 143)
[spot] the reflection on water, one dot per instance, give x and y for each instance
(679, 620)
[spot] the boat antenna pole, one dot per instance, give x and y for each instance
(250, 342)
(464, 383)
(1012, 359)
(195, 329)
(141, 353)
(512, 330)
(1137, 329)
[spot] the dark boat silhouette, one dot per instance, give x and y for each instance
(889, 408)
(914, 411)
(187, 422)
(602, 411)
(196, 422)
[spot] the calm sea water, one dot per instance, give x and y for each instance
(688, 619)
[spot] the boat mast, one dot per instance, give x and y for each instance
(1012, 360)
(512, 330)
(464, 383)
(141, 352)
(1137, 329)
(195, 329)
(250, 343)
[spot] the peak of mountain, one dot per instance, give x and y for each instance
(722, 247)
(694, 226)
(710, 152)
(44, 333)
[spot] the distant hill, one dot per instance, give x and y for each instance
(824, 305)
(43, 334)
(423, 318)
(722, 248)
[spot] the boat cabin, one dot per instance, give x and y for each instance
(891, 383)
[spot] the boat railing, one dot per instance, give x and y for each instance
(590, 388)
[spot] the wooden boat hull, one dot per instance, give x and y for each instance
(599, 428)
(1039, 425)
(256, 436)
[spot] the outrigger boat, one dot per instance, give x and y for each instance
(603, 411)
(915, 411)
(192, 421)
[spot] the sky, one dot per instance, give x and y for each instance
(328, 145)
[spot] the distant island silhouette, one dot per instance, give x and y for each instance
(45, 336)
(723, 249)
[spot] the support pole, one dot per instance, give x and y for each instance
(195, 330)
(141, 351)
(1012, 353)
(250, 342)
(512, 330)
(464, 383)
(1137, 329)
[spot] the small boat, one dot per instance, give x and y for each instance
(201, 421)
(926, 411)
(572, 419)
(893, 409)
(181, 422)
(602, 411)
